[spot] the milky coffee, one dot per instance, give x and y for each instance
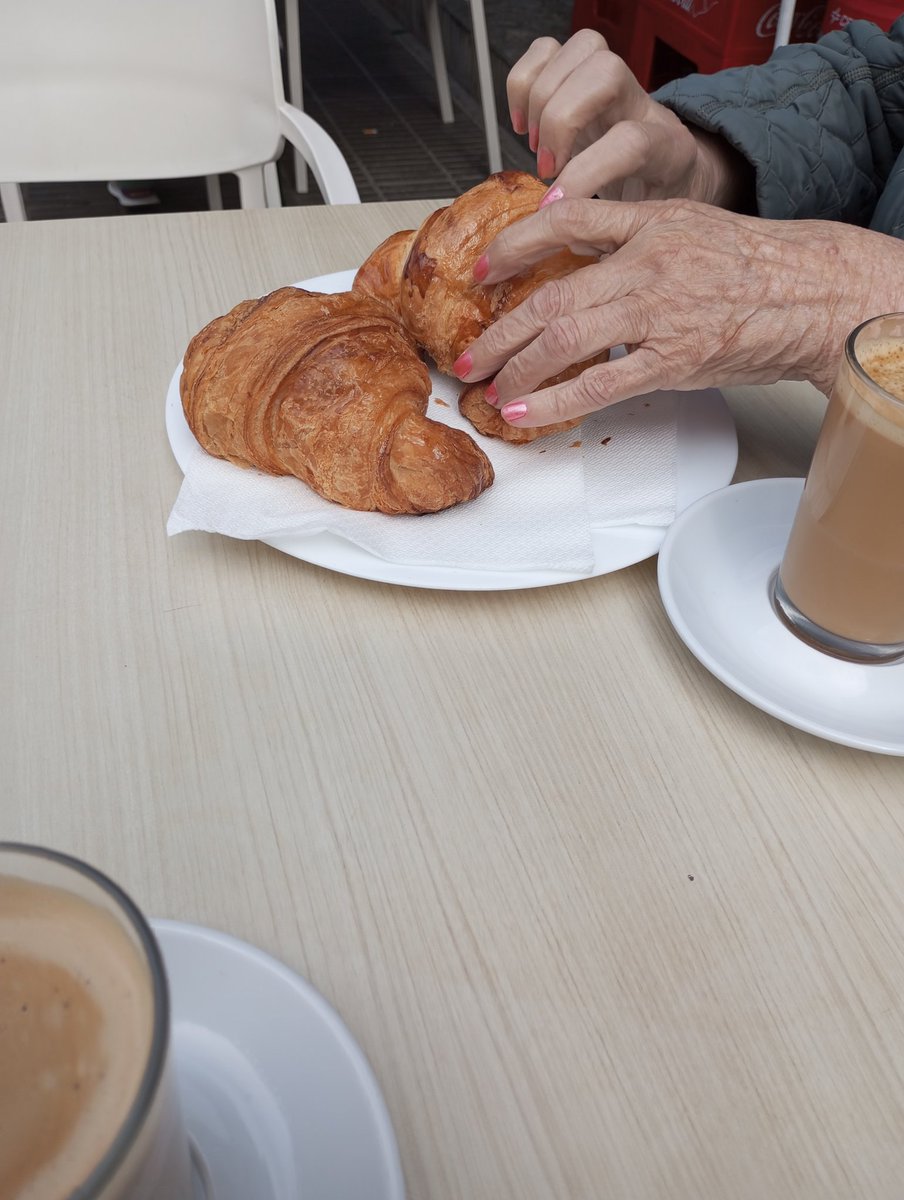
(844, 565)
(76, 1020)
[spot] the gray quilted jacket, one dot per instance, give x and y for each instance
(821, 124)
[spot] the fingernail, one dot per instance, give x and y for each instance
(481, 269)
(519, 124)
(533, 137)
(546, 163)
(554, 194)
(492, 396)
(462, 365)
(514, 411)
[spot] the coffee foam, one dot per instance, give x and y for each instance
(882, 359)
(76, 1021)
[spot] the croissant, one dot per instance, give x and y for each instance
(489, 421)
(441, 305)
(330, 389)
(380, 275)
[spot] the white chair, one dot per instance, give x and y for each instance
(435, 37)
(151, 89)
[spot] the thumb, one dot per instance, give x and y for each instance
(629, 150)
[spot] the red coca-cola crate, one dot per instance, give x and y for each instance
(839, 15)
(614, 19)
(663, 39)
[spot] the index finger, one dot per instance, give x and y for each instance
(606, 225)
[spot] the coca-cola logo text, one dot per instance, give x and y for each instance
(804, 28)
(696, 8)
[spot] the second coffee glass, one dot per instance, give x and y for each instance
(88, 1102)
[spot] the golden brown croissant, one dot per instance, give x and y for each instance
(380, 275)
(442, 306)
(327, 388)
(489, 421)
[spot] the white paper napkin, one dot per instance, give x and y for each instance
(617, 468)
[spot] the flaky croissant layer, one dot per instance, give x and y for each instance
(427, 276)
(330, 389)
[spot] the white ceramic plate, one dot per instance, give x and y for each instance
(707, 454)
(714, 571)
(276, 1094)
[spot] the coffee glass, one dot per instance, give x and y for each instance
(840, 585)
(88, 1102)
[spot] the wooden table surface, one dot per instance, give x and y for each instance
(603, 929)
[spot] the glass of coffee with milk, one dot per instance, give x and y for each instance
(840, 586)
(88, 1102)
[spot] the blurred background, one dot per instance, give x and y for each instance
(369, 80)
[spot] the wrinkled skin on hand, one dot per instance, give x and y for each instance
(594, 128)
(702, 297)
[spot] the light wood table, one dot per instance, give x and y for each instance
(603, 929)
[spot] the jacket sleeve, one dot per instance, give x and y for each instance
(821, 124)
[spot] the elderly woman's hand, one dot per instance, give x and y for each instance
(591, 124)
(701, 296)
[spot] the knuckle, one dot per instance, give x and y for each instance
(636, 317)
(636, 138)
(589, 39)
(560, 112)
(591, 389)
(493, 341)
(545, 304)
(611, 77)
(563, 337)
(563, 403)
(545, 45)
(621, 73)
(565, 217)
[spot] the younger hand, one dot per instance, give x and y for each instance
(701, 296)
(595, 129)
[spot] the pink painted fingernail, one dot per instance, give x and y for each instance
(514, 411)
(492, 396)
(462, 365)
(554, 194)
(546, 163)
(481, 268)
(519, 123)
(533, 137)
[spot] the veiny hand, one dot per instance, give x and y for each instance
(591, 124)
(701, 296)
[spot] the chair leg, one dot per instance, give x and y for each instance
(485, 75)
(252, 190)
(785, 21)
(214, 192)
(11, 199)
(435, 36)
(271, 185)
(293, 58)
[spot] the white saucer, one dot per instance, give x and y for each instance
(714, 570)
(276, 1095)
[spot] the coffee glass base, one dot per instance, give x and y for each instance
(822, 639)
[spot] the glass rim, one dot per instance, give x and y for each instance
(152, 1075)
(853, 362)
